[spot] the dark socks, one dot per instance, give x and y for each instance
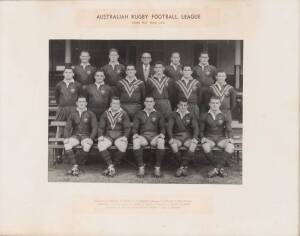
(177, 156)
(70, 154)
(160, 153)
(118, 157)
(188, 156)
(138, 154)
(81, 157)
(106, 157)
(210, 158)
(225, 159)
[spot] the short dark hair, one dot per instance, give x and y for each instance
(204, 52)
(182, 100)
(159, 63)
(84, 51)
(149, 97)
(187, 65)
(174, 53)
(68, 66)
(114, 98)
(113, 50)
(220, 71)
(80, 96)
(100, 70)
(146, 52)
(130, 64)
(215, 98)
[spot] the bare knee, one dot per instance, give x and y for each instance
(206, 147)
(136, 143)
(229, 148)
(174, 147)
(121, 146)
(160, 143)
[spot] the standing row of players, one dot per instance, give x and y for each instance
(167, 86)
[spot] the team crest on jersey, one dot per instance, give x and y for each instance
(207, 72)
(85, 119)
(72, 90)
(118, 71)
(220, 121)
(102, 91)
(187, 121)
(119, 119)
(153, 119)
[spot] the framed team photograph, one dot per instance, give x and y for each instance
(145, 111)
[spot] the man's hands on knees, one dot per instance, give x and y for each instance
(135, 136)
(195, 141)
(161, 136)
(204, 140)
(171, 141)
(66, 140)
(101, 138)
(124, 139)
(89, 141)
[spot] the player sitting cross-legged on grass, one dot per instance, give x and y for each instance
(81, 128)
(183, 130)
(215, 130)
(148, 128)
(114, 129)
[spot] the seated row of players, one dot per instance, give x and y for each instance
(149, 128)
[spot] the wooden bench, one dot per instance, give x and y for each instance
(56, 143)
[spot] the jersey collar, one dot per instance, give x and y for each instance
(182, 114)
(214, 115)
(148, 114)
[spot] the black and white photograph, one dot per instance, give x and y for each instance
(145, 111)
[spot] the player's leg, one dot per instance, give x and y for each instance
(86, 144)
(159, 143)
(175, 145)
(121, 146)
(228, 151)
(103, 145)
(69, 144)
(138, 143)
(191, 146)
(207, 148)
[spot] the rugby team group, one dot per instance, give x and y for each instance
(147, 104)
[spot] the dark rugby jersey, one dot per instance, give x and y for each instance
(178, 124)
(67, 95)
(131, 92)
(98, 97)
(84, 75)
(154, 122)
(159, 89)
(118, 121)
(189, 91)
(226, 93)
(173, 73)
(86, 124)
(205, 74)
(113, 74)
(219, 125)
